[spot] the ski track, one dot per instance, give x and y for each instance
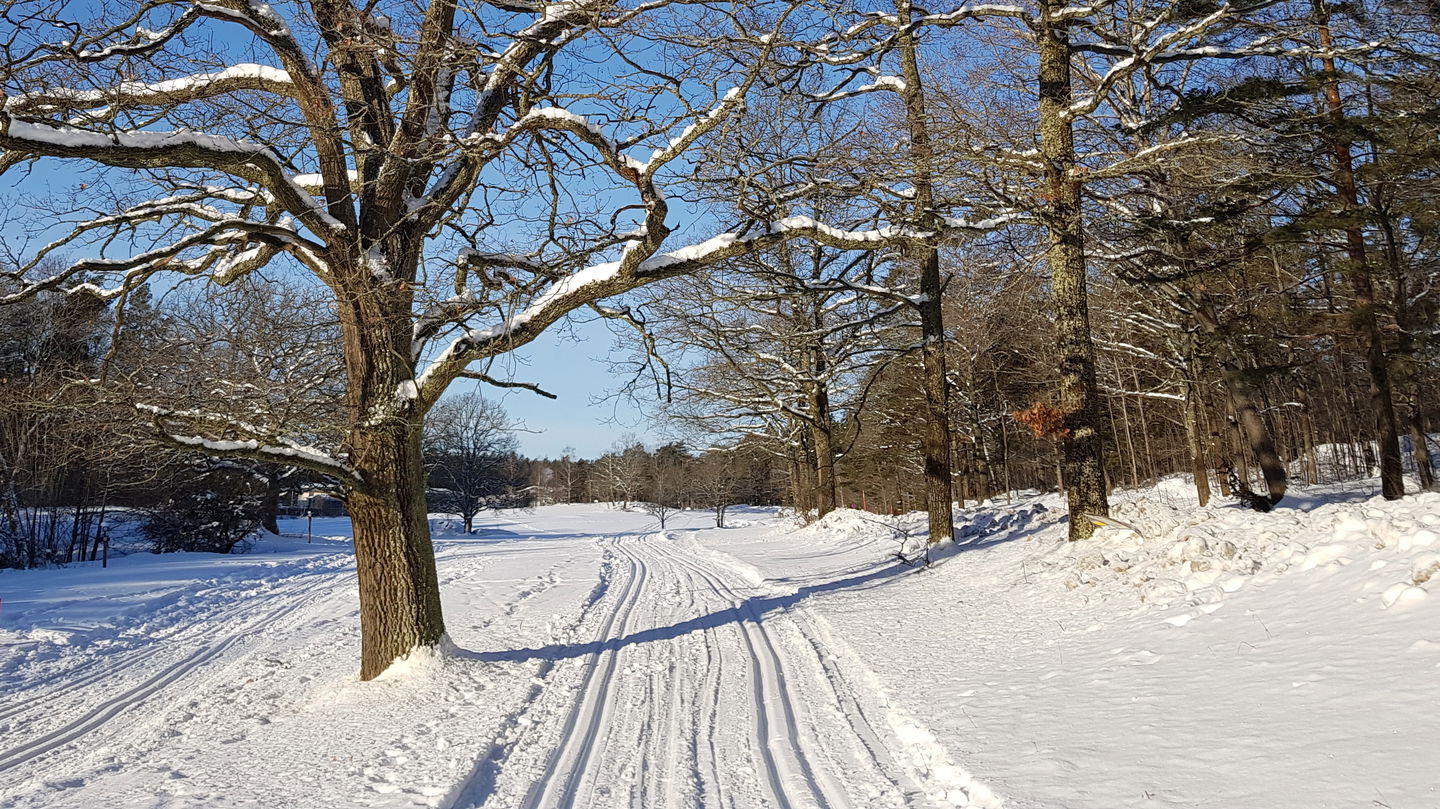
(689, 693)
(132, 691)
(146, 681)
(678, 684)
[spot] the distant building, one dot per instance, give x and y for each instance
(318, 504)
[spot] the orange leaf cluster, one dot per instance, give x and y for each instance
(1045, 421)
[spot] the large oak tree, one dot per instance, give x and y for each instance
(456, 178)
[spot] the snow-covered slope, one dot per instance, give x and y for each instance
(1212, 657)
(1219, 658)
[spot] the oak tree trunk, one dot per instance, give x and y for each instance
(394, 559)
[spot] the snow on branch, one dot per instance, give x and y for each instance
(277, 451)
(879, 83)
(142, 149)
(1143, 394)
(235, 247)
(732, 101)
(140, 42)
(635, 269)
(1131, 349)
(141, 94)
(942, 19)
(560, 119)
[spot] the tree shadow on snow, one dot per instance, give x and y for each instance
(752, 609)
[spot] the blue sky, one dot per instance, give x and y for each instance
(569, 362)
(573, 367)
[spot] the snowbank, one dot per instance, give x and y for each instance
(1199, 556)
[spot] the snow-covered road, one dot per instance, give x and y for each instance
(623, 668)
(693, 690)
(1226, 658)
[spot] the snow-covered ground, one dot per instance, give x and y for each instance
(1218, 658)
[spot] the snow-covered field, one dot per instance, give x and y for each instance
(1219, 658)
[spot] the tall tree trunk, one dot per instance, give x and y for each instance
(825, 494)
(1307, 436)
(1256, 434)
(1151, 476)
(822, 425)
(1198, 467)
(399, 590)
(1237, 389)
(935, 441)
(1363, 315)
(802, 478)
(1408, 364)
(394, 559)
(99, 533)
(270, 503)
(1082, 447)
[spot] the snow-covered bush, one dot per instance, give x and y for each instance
(213, 514)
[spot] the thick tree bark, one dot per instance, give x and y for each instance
(935, 440)
(394, 558)
(1082, 447)
(395, 561)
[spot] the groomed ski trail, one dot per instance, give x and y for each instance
(696, 688)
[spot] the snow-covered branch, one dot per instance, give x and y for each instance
(256, 445)
(252, 162)
(148, 94)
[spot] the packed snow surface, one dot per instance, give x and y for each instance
(1208, 657)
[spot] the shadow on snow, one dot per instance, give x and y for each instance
(752, 608)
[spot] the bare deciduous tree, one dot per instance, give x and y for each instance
(470, 446)
(457, 178)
